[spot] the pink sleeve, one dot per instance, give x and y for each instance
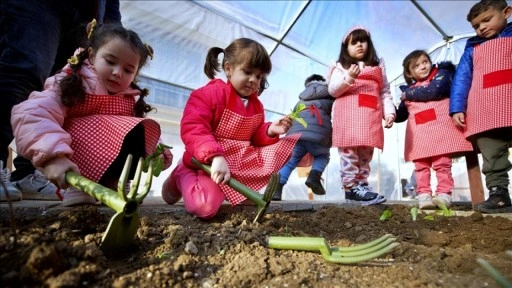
(339, 80)
(37, 126)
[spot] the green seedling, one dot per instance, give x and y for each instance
(340, 255)
(295, 114)
(386, 214)
(495, 274)
(414, 213)
(444, 210)
(158, 163)
(429, 217)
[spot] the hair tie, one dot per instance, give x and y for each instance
(73, 60)
(92, 26)
(150, 50)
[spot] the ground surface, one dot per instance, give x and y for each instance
(57, 247)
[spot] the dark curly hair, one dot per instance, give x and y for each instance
(71, 87)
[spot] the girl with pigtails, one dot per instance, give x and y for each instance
(90, 115)
(223, 126)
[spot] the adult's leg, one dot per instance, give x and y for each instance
(28, 48)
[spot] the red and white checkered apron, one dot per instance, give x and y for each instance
(430, 131)
(98, 127)
(490, 97)
(357, 115)
(248, 164)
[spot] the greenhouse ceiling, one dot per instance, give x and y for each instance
(303, 37)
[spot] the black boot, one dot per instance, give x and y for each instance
(498, 202)
(314, 182)
(279, 193)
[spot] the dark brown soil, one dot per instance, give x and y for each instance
(60, 248)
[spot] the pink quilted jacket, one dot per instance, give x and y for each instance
(37, 122)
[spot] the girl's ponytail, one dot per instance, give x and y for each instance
(70, 85)
(141, 108)
(212, 63)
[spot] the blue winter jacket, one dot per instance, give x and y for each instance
(464, 73)
(438, 88)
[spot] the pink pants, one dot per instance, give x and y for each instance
(355, 165)
(202, 197)
(442, 165)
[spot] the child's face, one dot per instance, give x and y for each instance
(116, 64)
(491, 22)
(246, 80)
(420, 69)
(357, 50)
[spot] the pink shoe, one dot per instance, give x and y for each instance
(170, 192)
(72, 197)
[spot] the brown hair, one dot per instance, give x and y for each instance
(241, 51)
(485, 5)
(72, 90)
(370, 59)
(408, 60)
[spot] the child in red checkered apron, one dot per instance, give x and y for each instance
(223, 126)
(359, 84)
(481, 98)
(90, 115)
(430, 138)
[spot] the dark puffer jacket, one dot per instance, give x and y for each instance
(317, 114)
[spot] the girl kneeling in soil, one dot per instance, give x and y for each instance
(88, 119)
(223, 125)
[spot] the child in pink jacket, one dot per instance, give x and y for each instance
(88, 118)
(223, 126)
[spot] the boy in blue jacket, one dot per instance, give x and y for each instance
(481, 97)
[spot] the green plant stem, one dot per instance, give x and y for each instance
(496, 275)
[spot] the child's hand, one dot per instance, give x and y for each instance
(389, 120)
(279, 127)
(55, 170)
(167, 157)
(459, 119)
(354, 71)
(220, 170)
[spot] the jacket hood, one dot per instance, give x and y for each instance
(315, 90)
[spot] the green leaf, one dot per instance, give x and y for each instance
(295, 114)
(414, 213)
(386, 214)
(429, 217)
(158, 163)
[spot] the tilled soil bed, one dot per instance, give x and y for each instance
(59, 247)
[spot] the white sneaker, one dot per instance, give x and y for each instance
(425, 201)
(12, 193)
(73, 197)
(443, 198)
(37, 187)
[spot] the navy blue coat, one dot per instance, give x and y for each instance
(315, 95)
(439, 88)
